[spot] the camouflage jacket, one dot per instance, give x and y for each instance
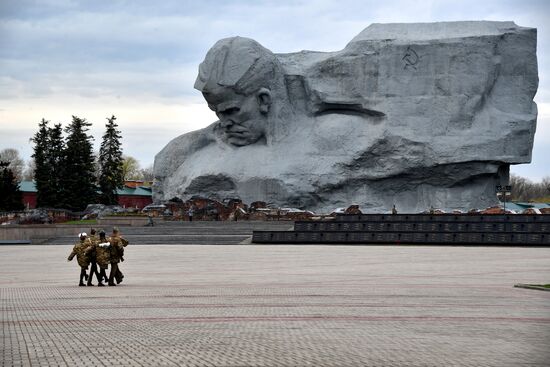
(117, 248)
(81, 249)
(102, 252)
(94, 240)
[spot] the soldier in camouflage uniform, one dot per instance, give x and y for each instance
(116, 255)
(93, 235)
(94, 241)
(80, 249)
(103, 253)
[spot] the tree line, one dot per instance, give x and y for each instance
(24, 170)
(66, 171)
(524, 189)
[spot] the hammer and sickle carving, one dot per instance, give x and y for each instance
(411, 58)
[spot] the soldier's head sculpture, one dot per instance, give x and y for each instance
(102, 234)
(241, 81)
(399, 115)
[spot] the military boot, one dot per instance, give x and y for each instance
(111, 280)
(93, 270)
(114, 269)
(102, 276)
(82, 277)
(119, 276)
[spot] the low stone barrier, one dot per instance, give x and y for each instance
(450, 229)
(37, 233)
(121, 221)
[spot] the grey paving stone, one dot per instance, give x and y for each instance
(279, 306)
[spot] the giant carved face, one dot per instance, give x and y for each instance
(243, 118)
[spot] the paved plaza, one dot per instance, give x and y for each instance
(251, 305)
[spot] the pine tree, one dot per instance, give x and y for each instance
(10, 196)
(79, 188)
(45, 196)
(110, 163)
(55, 162)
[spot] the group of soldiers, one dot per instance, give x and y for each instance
(99, 251)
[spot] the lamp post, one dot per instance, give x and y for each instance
(504, 191)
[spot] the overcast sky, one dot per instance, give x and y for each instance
(138, 59)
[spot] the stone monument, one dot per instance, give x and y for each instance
(416, 115)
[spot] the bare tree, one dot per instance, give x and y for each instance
(524, 189)
(97, 168)
(28, 173)
(147, 173)
(546, 185)
(131, 169)
(16, 163)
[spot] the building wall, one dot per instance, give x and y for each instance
(134, 201)
(137, 183)
(29, 199)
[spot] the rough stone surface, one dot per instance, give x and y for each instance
(416, 115)
(101, 210)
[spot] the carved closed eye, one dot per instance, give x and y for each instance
(229, 111)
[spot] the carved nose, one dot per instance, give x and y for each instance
(226, 122)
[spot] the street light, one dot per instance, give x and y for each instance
(503, 191)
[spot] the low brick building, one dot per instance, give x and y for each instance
(135, 197)
(129, 196)
(28, 190)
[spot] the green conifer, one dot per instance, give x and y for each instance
(10, 196)
(45, 196)
(110, 163)
(55, 159)
(77, 172)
